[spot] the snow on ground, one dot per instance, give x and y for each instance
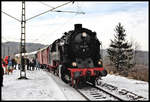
(43, 85)
(39, 86)
(68, 91)
(136, 86)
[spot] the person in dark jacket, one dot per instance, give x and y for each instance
(1, 73)
(27, 63)
(30, 64)
(13, 62)
(33, 64)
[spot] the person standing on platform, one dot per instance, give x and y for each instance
(37, 64)
(1, 72)
(30, 64)
(33, 64)
(5, 65)
(18, 62)
(27, 63)
(9, 67)
(13, 62)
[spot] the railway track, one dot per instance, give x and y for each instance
(104, 91)
(93, 93)
(108, 92)
(96, 93)
(124, 94)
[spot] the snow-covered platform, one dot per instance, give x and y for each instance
(40, 85)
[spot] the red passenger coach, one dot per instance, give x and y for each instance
(39, 57)
(45, 56)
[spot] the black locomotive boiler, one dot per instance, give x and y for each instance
(77, 56)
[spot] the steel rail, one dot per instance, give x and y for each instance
(105, 91)
(83, 95)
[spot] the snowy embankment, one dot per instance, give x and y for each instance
(39, 86)
(136, 86)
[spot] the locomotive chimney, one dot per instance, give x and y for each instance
(78, 26)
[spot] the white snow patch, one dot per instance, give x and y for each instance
(39, 86)
(69, 92)
(136, 86)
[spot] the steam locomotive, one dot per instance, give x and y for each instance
(75, 57)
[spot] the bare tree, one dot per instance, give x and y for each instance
(136, 46)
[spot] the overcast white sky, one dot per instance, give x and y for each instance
(101, 17)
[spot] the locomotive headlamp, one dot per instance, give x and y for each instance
(74, 64)
(99, 62)
(84, 34)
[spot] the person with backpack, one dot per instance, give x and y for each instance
(9, 67)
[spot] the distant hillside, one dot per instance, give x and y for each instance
(142, 57)
(11, 48)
